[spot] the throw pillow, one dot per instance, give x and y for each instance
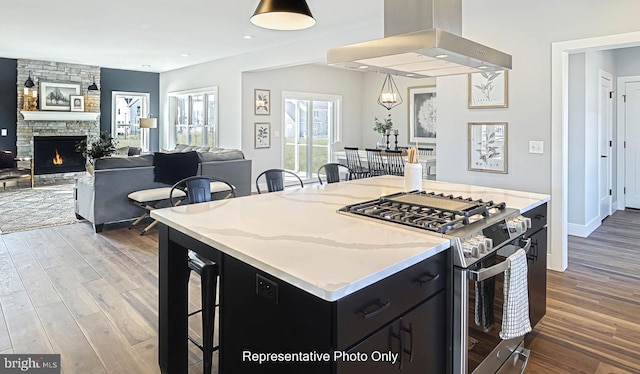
(172, 167)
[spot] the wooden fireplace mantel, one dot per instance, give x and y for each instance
(59, 116)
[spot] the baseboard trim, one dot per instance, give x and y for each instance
(583, 231)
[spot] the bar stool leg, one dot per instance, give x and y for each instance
(208, 278)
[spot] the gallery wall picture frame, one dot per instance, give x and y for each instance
(422, 114)
(77, 103)
(56, 95)
(489, 89)
(488, 147)
(262, 100)
(262, 135)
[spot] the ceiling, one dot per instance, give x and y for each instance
(126, 34)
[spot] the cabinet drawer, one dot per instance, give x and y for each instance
(363, 312)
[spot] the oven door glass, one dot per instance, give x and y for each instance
(486, 299)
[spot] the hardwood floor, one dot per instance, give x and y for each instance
(93, 299)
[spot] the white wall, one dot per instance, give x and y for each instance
(307, 79)
(627, 61)
(584, 152)
(577, 83)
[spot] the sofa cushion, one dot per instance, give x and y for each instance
(221, 155)
(172, 167)
(123, 162)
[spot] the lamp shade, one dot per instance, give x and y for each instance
(284, 15)
(29, 82)
(148, 123)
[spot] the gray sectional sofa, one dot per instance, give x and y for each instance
(102, 197)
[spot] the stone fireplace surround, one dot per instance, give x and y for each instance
(61, 72)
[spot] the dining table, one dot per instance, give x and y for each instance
(428, 162)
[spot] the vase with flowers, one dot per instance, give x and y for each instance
(384, 128)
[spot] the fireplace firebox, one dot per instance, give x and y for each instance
(57, 154)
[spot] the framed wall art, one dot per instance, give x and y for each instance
(488, 147)
(422, 114)
(77, 103)
(56, 95)
(262, 135)
(262, 99)
(489, 89)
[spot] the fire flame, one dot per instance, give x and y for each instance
(57, 160)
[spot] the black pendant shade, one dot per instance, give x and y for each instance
(389, 95)
(29, 82)
(283, 15)
(93, 86)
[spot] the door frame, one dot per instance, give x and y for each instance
(558, 254)
(603, 74)
(622, 130)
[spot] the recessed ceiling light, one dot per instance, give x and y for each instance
(482, 67)
(248, 37)
(146, 66)
(363, 67)
(442, 56)
(184, 54)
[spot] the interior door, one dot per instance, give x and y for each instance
(632, 150)
(605, 138)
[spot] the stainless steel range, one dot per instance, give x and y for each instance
(482, 234)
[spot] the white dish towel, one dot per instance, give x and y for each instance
(515, 312)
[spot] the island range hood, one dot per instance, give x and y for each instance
(422, 39)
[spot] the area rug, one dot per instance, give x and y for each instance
(27, 209)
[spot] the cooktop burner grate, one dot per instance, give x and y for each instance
(426, 210)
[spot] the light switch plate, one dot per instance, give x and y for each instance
(276, 134)
(536, 146)
(3, 132)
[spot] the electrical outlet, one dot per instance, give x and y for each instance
(267, 288)
(3, 132)
(536, 146)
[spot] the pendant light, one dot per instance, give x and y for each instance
(93, 86)
(284, 15)
(389, 95)
(29, 82)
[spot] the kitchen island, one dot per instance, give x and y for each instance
(333, 279)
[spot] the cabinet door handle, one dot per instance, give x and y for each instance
(428, 278)
(377, 309)
(401, 350)
(410, 331)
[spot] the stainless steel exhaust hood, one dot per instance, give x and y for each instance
(422, 39)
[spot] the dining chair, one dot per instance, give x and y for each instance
(275, 179)
(395, 162)
(193, 190)
(427, 151)
(353, 162)
(375, 161)
(332, 172)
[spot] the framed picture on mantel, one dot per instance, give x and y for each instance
(57, 95)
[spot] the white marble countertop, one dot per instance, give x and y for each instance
(298, 236)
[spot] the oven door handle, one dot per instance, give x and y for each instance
(483, 274)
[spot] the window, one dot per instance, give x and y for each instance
(127, 109)
(311, 125)
(194, 117)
